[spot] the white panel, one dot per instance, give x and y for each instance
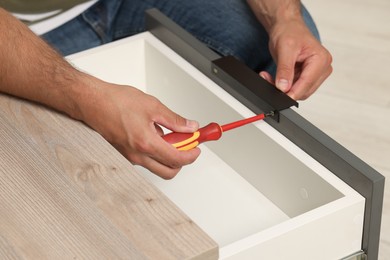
(120, 62)
(333, 235)
(219, 200)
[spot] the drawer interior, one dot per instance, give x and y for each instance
(252, 179)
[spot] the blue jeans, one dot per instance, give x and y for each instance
(226, 26)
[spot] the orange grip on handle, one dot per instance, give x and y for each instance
(187, 141)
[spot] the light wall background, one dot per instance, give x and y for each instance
(353, 105)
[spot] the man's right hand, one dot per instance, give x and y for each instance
(130, 120)
(126, 117)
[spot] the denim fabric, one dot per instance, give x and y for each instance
(226, 26)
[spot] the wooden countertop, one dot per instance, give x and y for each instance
(67, 193)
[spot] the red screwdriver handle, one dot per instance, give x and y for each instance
(187, 141)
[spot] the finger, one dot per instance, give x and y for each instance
(168, 171)
(161, 157)
(285, 68)
(175, 122)
(159, 169)
(169, 156)
(159, 130)
(303, 89)
(265, 75)
(314, 70)
(154, 166)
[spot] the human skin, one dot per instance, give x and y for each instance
(302, 62)
(125, 116)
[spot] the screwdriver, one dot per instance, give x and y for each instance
(210, 132)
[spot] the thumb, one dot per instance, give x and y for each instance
(285, 70)
(177, 123)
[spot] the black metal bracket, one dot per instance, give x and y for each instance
(236, 74)
(229, 73)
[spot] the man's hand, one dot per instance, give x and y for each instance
(130, 120)
(302, 62)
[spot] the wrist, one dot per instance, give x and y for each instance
(273, 13)
(80, 96)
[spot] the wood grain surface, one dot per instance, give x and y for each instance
(67, 194)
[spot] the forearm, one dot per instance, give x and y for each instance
(125, 116)
(271, 12)
(32, 70)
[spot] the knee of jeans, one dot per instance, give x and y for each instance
(230, 28)
(252, 50)
(248, 42)
(72, 37)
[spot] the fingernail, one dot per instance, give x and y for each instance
(282, 84)
(262, 75)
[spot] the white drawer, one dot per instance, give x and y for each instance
(258, 195)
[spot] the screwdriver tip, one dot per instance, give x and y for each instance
(272, 113)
